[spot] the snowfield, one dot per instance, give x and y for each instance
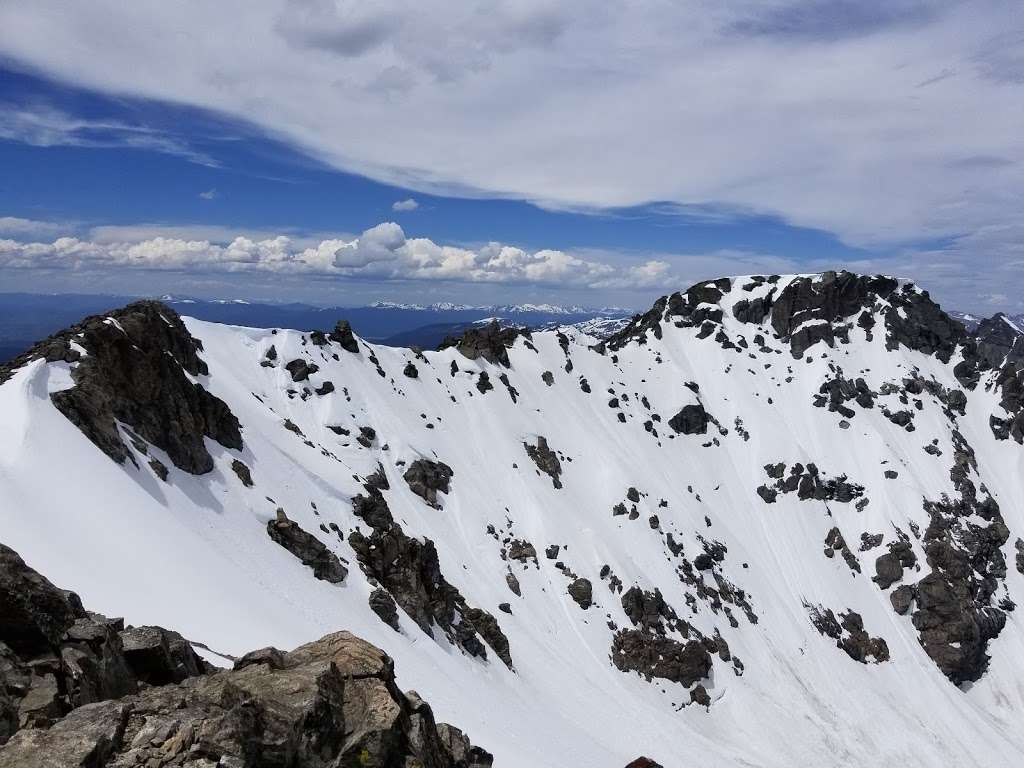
(192, 552)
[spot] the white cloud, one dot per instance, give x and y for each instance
(210, 194)
(880, 121)
(380, 253)
(46, 126)
(14, 226)
(405, 205)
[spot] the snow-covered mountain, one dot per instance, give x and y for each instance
(503, 309)
(771, 522)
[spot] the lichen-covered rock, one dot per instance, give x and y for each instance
(307, 547)
(333, 702)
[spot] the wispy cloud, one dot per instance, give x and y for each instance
(402, 206)
(44, 125)
(210, 194)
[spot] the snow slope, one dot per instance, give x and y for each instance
(193, 552)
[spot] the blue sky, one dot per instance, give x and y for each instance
(547, 155)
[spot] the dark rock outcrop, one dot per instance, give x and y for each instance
(691, 420)
(300, 370)
(342, 335)
(545, 459)
(308, 548)
(658, 656)
(135, 373)
(160, 656)
(55, 656)
(409, 569)
(849, 633)
(426, 478)
(382, 604)
(490, 342)
(582, 591)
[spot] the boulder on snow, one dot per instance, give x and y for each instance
(426, 478)
(691, 420)
(307, 547)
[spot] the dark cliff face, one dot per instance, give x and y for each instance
(135, 371)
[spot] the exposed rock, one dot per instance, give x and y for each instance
(333, 702)
(658, 656)
(490, 631)
(325, 389)
(382, 604)
(644, 762)
(410, 371)
(545, 459)
(307, 547)
(425, 478)
(490, 342)
(300, 370)
(888, 570)
(244, 475)
(582, 591)
(160, 656)
(691, 420)
(342, 334)
(699, 695)
(849, 633)
(54, 656)
(135, 374)
(34, 614)
(902, 598)
(513, 584)
(521, 550)
(409, 569)
(834, 542)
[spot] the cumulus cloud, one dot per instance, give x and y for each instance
(405, 205)
(382, 252)
(866, 119)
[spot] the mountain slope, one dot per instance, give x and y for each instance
(775, 464)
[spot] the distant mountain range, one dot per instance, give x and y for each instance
(26, 318)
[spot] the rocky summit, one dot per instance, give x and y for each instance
(772, 521)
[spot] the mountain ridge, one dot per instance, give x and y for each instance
(769, 494)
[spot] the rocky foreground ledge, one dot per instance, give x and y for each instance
(79, 690)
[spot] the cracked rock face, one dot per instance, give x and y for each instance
(332, 702)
